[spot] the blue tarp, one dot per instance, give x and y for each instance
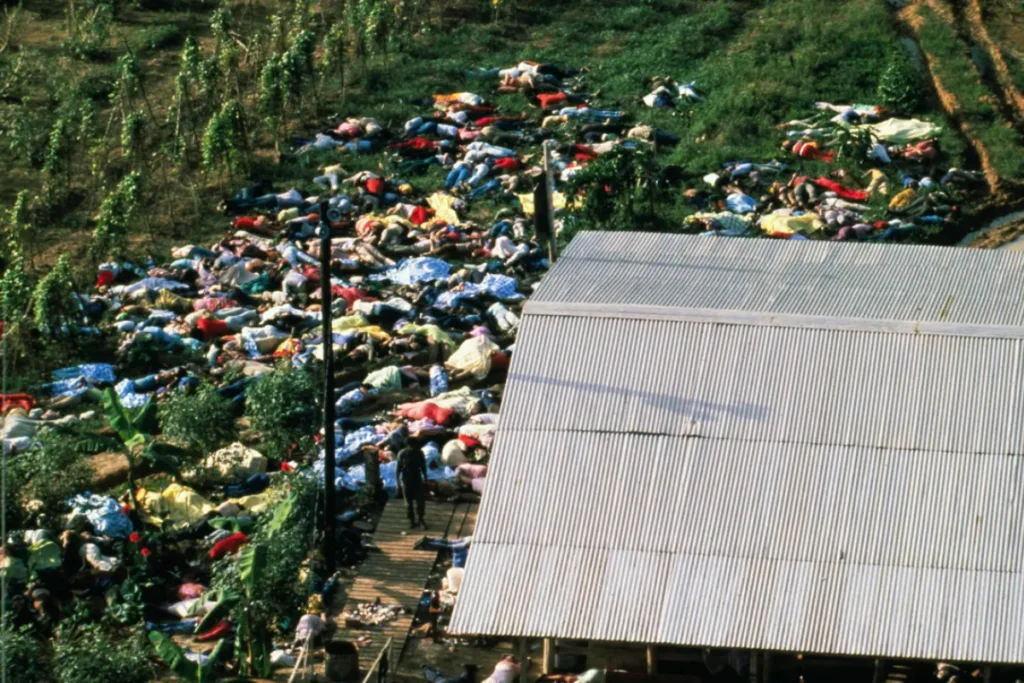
(415, 270)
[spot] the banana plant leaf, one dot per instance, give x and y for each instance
(217, 613)
(252, 561)
(174, 657)
(118, 417)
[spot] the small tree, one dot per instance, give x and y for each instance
(110, 237)
(133, 137)
(334, 51)
(271, 98)
(282, 407)
(57, 311)
(133, 428)
(200, 421)
(899, 88)
(224, 142)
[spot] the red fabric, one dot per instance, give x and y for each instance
(212, 328)
(375, 186)
(487, 120)
(11, 401)
(219, 631)
(415, 143)
(584, 153)
(426, 410)
(104, 278)
(213, 304)
(351, 294)
(311, 273)
(420, 215)
(231, 544)
(810, 150)
(468, 441)
(245, 223)
(509, 164)
(548, 100)
(843, 192)
(499, 361)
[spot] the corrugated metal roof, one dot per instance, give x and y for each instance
(670, 469)
(846, 280)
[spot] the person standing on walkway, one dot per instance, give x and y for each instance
(412, 473)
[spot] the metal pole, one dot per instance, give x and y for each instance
(328, 341)
(552, 250)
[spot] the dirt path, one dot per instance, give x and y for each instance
(911, 21)
(976, 25)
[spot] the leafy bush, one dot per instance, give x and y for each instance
(202, 420)
(57, 312)
(287, 534)
(283, 407)
(99, 654)
(51, 472)
(161, 35)
(24, 656)
(900, 86)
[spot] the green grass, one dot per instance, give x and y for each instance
(959, 75)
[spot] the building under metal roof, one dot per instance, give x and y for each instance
(791, 446)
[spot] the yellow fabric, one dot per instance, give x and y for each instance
(434, 333)
(558, 202)
(177, 504)
(444, 207)
(169, 301)
(258, 502)
(780, 225)
(901, 200)
(474, 356)
(901, 131)
(347, 322)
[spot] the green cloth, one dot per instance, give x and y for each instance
(387, 380)
(256, 286)
(901, 131)
(432, 332)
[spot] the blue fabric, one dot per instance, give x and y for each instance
(129, 399)
(99, 373)
(740, 203)
(174, 627)
(412, 271)
(104, 513)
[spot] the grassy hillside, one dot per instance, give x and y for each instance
(759, 63)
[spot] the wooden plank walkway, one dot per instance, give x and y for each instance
(397, 574)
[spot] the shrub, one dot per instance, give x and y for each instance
(900, 86)
(52, 472)
(24, 656)
(100, 654)
(283, 407)
(201, 421)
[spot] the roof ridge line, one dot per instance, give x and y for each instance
(764, 319)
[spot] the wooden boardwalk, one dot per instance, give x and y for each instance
(397, 574)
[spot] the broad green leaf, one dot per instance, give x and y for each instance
(13, 569)
(282, 511)
(117, 416)
(252, 561)
(230, 523)
(42, 556)
(259, 648)
(144, 418)
(217, 613)
(207, 672)
(173, 656)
